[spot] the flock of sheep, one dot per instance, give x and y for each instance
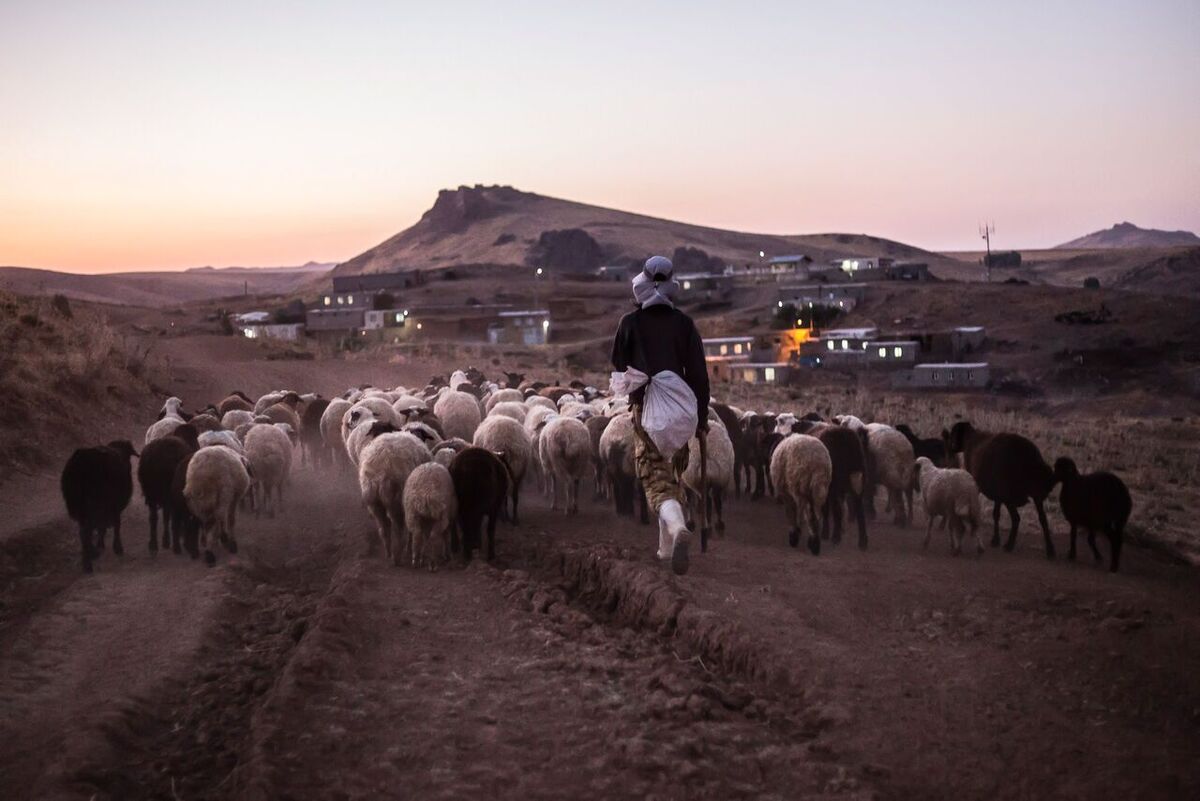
(443, 460)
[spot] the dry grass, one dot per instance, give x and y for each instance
(49, 362)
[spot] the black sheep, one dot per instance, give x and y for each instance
(1010, 471)
(933, 449)
(182, 520)
(97, 484)
(481, 482)
(312, 447)
(847, 450)
(1097, 502)
(156, 472)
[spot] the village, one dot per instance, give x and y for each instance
(806, 303)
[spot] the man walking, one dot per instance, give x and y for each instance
(653, 338)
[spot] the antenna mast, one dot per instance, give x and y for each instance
(985, 232)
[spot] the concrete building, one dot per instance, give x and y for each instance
(760, 372)
(520, 328)
(360, 291)
(863, 264)
(331, 323)
(728, 347)
(377, 319)
(844, 339)
(704, 287)
(778, 268)
(946, 375)
(289, 332)
(907, 271)
(840, 296)
(967, 339)
(893, 353)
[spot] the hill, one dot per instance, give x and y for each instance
(499, 225)
(1128, 235)
(158, 289)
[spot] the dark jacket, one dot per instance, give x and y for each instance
(662, 338)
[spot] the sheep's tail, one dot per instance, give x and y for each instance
(856, 483)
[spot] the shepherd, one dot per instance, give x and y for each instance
(659, 361)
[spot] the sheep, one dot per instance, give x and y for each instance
(537, 401)
(595, 426)
(236, 417)
(848, 457)
(97, 484)
(445, 451)
(429, 438)
(889, 464)
(269, 452)
(331, 427)
(217, 478)
(505, 436)
(172, 407)
(386, 462)
(406, 404)
(802, 471)
(205, 422)
(503, 396)
(1097, 502)
(719, 472)
(517, 411)
(934, 449)
(163, 427)
(156, 471)
(1010, 471)
(952, 494)
(848, 421)
(565, 448)
(283, 413)
(736, 432)
(227, 438)
(481, 484)
(430, 512)
(369, 409)
(312, 445)
(459, 413)
(616, 453)
(286, 396)
(236, 400)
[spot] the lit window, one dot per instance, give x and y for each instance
(399, 317)
(780, 304)
(341, 300)
(749, 376)
(687, 284)
(350, 300)
(883, 353)
(864, 345)
(737, 348)
(845, 345)
(747, 347)
(545, 324)
(897, 352)
(769, 374)
(724, 349)
(830, 344)
(419, 326)
(328, 300)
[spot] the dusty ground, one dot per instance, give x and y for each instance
(300, 669)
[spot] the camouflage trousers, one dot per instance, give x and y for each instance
(656, 473)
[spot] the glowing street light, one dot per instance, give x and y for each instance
(539, 270)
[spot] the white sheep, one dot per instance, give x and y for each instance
(162, 428)
(445, 451)
(430, 513)
(215, 481)
(269, 451)
(503, 396)
(331, 427)
(801, 471)
(384, 467)
(236, 417)
(227, 438)
(565, 448)
(517, 411)
(369, 409)
(849, 421)
(784, 423)
(890, 457)
(407, 404)
(509, 439)
(718, 470)
(459, 413)
(535, 401)
(952, 494)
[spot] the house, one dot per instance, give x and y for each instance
(945, 375)
(847, 338)
(840, 296)
(779, 268)
(252, 318)
(520, 328)
(360, 291)
(376, 319)
(728, 347)
(893, 353)
(863, 264)
(704, 287)
(290, 332)
(763, 372)
(332, 323)
(907, 271)
(967, 339)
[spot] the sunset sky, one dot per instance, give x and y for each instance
(143, 135)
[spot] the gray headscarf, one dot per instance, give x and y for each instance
(648, 292)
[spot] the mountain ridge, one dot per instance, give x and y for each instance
(1128, 235)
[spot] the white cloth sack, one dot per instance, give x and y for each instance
(668, 409)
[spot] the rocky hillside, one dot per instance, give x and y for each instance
(1128, 235)
(499, 225)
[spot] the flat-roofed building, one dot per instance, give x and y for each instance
(945, 375)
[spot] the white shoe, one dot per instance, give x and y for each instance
(665, 541)
(671, 513)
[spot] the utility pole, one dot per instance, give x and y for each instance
(985, 232)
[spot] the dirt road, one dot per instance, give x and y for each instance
(576, 666)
